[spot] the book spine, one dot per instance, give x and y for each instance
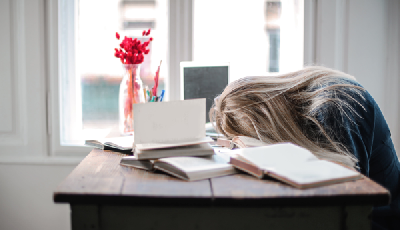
(249, 168)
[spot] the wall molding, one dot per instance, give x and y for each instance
(310, 26)
(312, 31)
(392, 76)
(18, 135)
(326, 33)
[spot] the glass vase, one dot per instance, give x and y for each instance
(130, 92)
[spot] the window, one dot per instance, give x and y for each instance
(255, 37)
(90, 74)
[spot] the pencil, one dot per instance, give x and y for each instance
(144, 94)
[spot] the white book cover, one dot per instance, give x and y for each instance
(149, 146)
(169, 123)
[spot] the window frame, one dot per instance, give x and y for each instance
(179, 49)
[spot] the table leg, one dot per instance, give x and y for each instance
(85, 217)
(357, 217)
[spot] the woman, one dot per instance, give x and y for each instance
(323, 110)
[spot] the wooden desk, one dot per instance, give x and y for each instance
(104, 195)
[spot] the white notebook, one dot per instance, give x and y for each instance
(291, 164)
(166, 129)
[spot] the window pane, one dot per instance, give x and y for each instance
(255, 36)
(97, 73)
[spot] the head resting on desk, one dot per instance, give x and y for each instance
(284, 108)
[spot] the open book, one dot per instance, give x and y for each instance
(291, 164)
(187, 168)
(121, 144)
(174, 128)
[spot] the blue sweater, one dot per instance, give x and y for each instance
(367, 136)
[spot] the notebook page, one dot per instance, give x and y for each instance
(276, 155)
(313, 172)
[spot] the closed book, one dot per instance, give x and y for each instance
(291, 164)
(186, 167)
(132, 161)
(203, 149)
(154, 145)
(121, 144)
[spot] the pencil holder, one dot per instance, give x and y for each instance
(130, 92)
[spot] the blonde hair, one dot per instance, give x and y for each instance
(276, 109)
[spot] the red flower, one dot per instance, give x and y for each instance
(117, 35)
(132, 51)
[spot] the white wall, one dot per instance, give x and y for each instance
(26, 188)
(360, 37)
(367, 54)
(26, 197)
(350, 35)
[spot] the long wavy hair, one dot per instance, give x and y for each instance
(285, 108)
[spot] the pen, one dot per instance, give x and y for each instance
(161, 96)
(148, 96)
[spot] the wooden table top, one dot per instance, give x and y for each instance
(100, 179)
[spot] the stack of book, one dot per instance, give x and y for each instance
(171, 137)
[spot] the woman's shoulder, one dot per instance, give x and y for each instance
(342, 94)
(355, 112)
